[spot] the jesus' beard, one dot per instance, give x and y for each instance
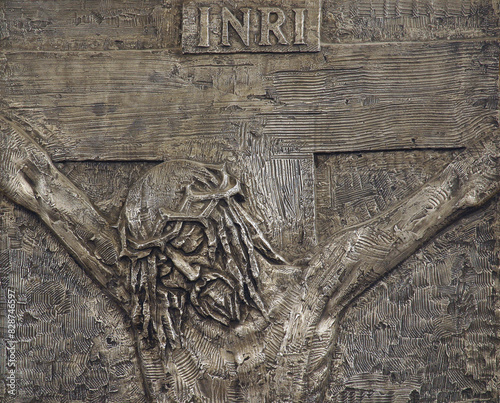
(214, 274)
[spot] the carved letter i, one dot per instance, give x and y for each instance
(299, 26)
(204, 27)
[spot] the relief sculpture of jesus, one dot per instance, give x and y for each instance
(218, 314)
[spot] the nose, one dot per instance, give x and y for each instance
(191, 271)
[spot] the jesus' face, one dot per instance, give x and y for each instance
(191, 242)
(188, 266)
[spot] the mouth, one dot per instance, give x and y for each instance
(212, 295)
(216, 299)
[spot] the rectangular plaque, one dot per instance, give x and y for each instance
(250, 26)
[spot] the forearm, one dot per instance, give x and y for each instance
(29, 178)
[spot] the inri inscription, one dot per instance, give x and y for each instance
(250, 27)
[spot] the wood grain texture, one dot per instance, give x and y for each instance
(408, 20)
(105, 25)
(88, 25)
(155, 105)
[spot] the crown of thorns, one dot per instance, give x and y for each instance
(169, 195)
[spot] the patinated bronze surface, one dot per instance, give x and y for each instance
(249, 201)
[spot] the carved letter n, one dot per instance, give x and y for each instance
(243, 30)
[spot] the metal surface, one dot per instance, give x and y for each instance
(198, 203)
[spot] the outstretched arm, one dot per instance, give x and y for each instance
(375, 247)
(355, 258)
(29, 178)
